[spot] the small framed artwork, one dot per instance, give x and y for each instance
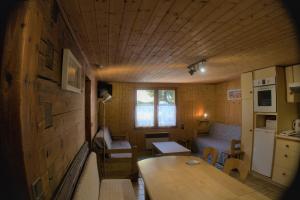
(71, 72)
(234, 94)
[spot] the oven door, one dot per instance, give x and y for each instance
(265, 98)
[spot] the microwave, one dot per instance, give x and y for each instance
(265, 95)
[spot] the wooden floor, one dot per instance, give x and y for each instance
(254, 181)
(265, 187)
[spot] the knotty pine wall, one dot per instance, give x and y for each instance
(192, 101)
(228, 112)
(31, 91)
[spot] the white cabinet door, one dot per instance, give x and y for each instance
(263, 149)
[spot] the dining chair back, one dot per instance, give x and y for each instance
(236, 164)
(210, 154)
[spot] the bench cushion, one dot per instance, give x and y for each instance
(121, 155)
(206, 141)
(225, 131)
(107, 137)
(121, 144)
(116, 189)
(88, 185)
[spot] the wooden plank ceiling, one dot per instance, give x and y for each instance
(155, 40)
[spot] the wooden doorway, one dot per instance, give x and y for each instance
(87, 100)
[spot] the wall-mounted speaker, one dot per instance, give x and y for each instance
(104, 89)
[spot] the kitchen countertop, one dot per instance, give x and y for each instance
(295, 138)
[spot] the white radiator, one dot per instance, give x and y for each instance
(155, 137)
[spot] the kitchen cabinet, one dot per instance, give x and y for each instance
(286, 161)
(247, 115)
(296, 73)
(292, 74)
(264, 73)
(286, 113)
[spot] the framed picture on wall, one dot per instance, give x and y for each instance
(71, 72)
(234, 94)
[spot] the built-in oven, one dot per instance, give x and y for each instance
(265, 95)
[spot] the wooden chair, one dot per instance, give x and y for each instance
(118, 156)
(236, 164)
(212, 153)
(235, 149)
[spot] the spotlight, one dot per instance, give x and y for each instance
(202, 70)
(199, 66)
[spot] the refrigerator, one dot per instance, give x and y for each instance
(263, 150)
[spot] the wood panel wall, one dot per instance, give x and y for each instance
(10, 137)
(192, 101)
(228, 111)
(45, 124)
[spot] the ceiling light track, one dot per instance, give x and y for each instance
(198, 66)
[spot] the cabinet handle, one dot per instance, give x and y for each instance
(285, 155)
(287, 146)
(250, 92)
(283, 174)
(250, 130)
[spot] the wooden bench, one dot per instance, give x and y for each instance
(88, 186)
(82, 181)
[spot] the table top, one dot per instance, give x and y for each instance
(170, 147)
(169, 177)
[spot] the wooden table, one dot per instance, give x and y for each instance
(169, 177)
(170, 148)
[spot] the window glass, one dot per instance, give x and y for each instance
(144, 116)
(166, 108)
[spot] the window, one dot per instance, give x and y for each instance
(166, 108)
(144, 116)
(155, 108)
